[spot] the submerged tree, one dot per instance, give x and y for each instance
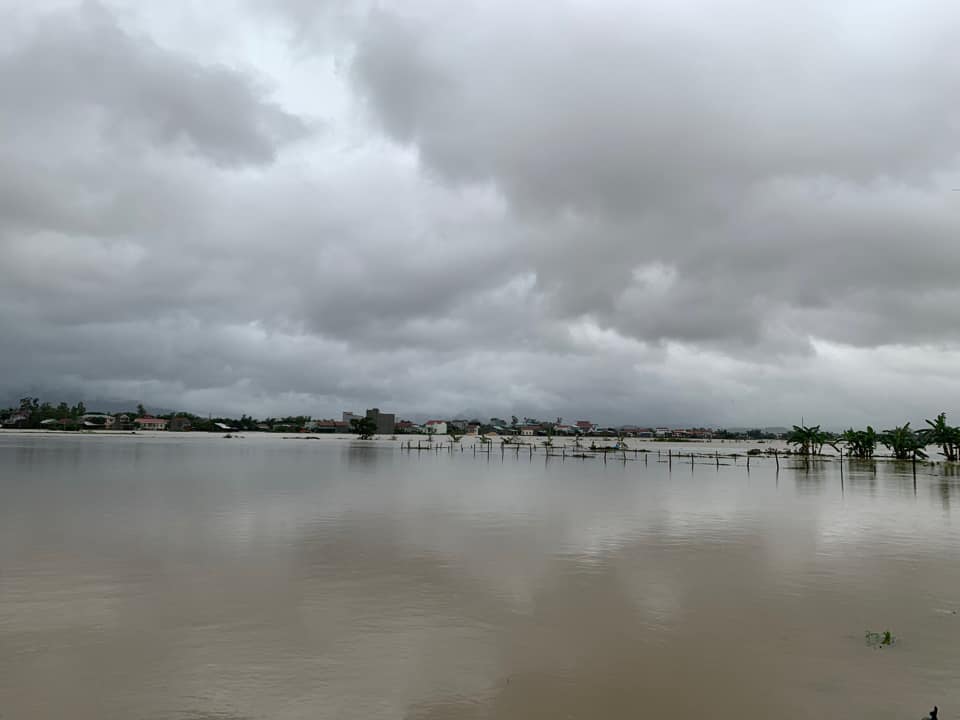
(939, 433)
(809, 440)
(904, 443)
(860, 443)
(364, 427)
(549, 441)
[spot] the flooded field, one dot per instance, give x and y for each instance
(190, 577)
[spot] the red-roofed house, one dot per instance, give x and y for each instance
(150, 423)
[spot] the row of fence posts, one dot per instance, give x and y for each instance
(436, 447)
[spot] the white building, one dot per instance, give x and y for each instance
(436, 427)
(95, 420)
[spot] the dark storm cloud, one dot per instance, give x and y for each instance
(666, 213)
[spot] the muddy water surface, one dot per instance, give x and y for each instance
(198, 577)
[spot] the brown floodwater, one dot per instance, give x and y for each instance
(194, 577)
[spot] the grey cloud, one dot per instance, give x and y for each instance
(770, 164)
(636, 214)
(80, 61)
(601, 106)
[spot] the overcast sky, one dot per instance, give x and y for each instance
(724, 211)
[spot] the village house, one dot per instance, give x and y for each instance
(97, 420)
(328, 426)
(180, 424)
(58, 424)
(18, 419)
(150, 423)
(436, 427)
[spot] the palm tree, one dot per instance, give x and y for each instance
(939, 433)
(903, 442)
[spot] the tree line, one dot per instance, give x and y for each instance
(902, 441)
(35, 412)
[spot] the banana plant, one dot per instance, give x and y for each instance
(939, 433)
(904, 443)
(809, 440)
(860, 443)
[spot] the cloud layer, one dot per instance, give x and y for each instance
(685, 212)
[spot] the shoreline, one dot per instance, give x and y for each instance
(765, 449)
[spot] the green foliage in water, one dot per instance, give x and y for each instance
(860, 443)
(364, 427)
(809, 440)
(904, 443)
(880, 640)
(942, 434)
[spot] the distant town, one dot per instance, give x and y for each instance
(32, 413)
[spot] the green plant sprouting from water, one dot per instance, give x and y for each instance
(904, 443)
(880, 640)
(860, 443)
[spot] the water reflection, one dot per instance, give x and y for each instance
(366, 455)
(347, 580)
